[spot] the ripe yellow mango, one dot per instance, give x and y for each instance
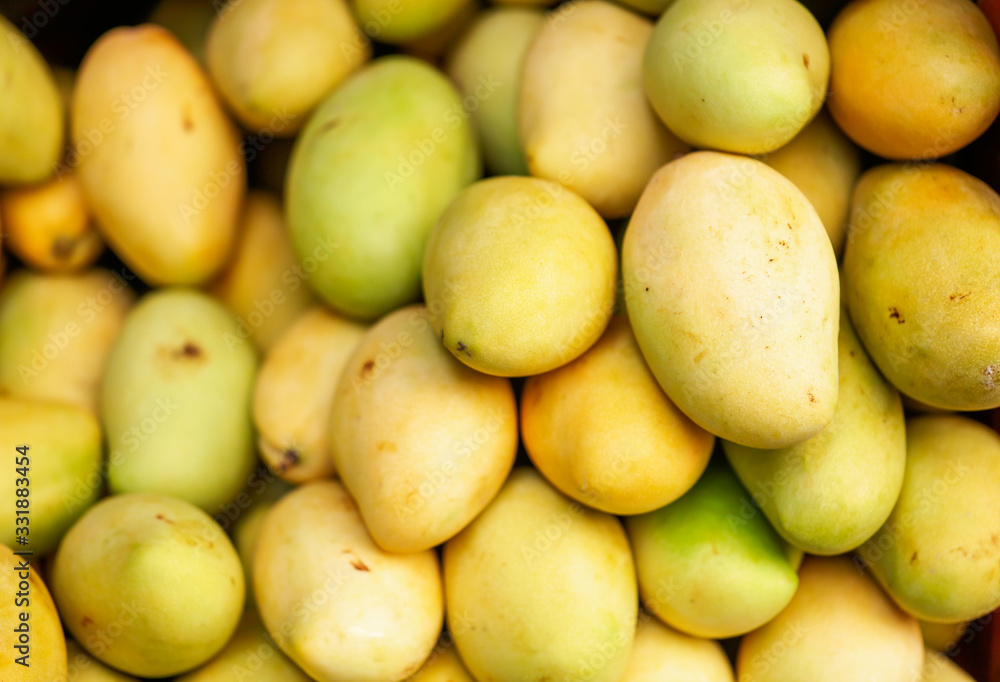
(45, 645)
(940, 668)
(443, 665)
(84, 668)
(661, 654)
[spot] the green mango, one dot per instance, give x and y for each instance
(175, 401)
(372, 170)
(710, 564)
(404, 21)
(830, 493)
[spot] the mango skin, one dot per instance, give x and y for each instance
(359, 211)
(443, 665)
(941, 636)
(532, 541)
(928, 321)
(31, 114)
(753, 357)
(759, 80)
(84, 668)
(660, 653)
(166, 179)
(382, 612)
(47, 661)
(916, 83)
(530, 236)
(829, 494)
(168, 431)
(583, 114)
(653, 8)
(839, 626)
(938, 554)
(602, 431)
(403, 21)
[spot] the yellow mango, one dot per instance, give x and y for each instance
(403, 21)
(661, 654)
(940, 636)
(443, 665)
(84, 668)
(28, 606)
(940, 668)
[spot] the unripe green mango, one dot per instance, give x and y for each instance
(157, 571)
(710, 564)
(175, 401)
(829, 494)
(938, 552)
(371, 171)
(46, 647)
(924, 306)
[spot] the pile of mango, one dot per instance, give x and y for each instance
(641, 342)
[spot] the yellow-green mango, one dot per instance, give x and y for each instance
(84, 668)
(519, 276)
(739, 76)
(56, 332)
(940, 668)
(839, 626)
(733, 294)
(140, 566)
(161, 164)
(583, 115)
(263, 283)
(938, 553)
(486, 64)
(403, 21)
(710, 564)
(371, 171)
(175, 401)
(829, 494)
(443, 665)
(274, 60)
(653, 8)
(941, 636)
(824, 164)
(294, 392)
(341, 608)
(422, 442)
(189, 21)
(28, 605)
(929, 322)
(602, 431)
(539, 587)
(31, 115)
(661, 653)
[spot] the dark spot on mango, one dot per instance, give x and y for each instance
(913, 558)
(805, 60)
(329, 125)
(289, 458)
(63, 247)
(852, 353)
(895, 314)
(957, 296)
(812, 398)
(187, 123)
(188, 350)
(86, 621)
(462, 348)
(359, 565)
(367, 368)
(161, 517)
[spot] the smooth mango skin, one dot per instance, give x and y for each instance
(537, 584)
(926, 308)
(660, 653)
(262, 283)
(583, 115)
(751, 358)
(443, 665)
(294, 392)
(739, 76)
(175, 401)
(371, 171)
(31, 115)
(709, 564)
(519, 276)
(486, 63)
(84, 668)
(341, 608)
(161, 166)
(829, 494)
(938, 554)
(940, 668)
(143, 561)
(47, 643)
(839, 626)
(422, 442)
(940, 636)
(274, 60)
(602, 431)
(403, 21)
(824, 164)
(914, 82)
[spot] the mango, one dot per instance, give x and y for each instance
(161, 165)
(443, 665)
(941, 636)
(583, 114)
(653, 8)
(710, 564)
(940, 668)
(432, 46)
(31, 116)
(137, 564)
(341, 608)
(294, 392)
(533, 237)
(84, 668)
(737, 75)
(539, 587)
(45, 652)
(246, 531)
(937, 554)
(175, 401)
(661, 653)
(913, 82)
(422, 442)
(753, 357)
(486, 64)
(829, 494)
(189, 21)
(274, 60)
(839, 626)
(602, 431)
(371, 171)
(403, 21)
(930, 324)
